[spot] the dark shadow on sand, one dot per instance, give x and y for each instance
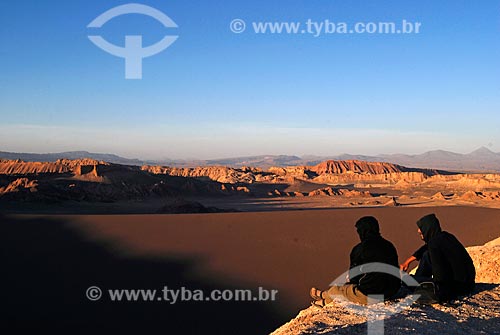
(47, 267)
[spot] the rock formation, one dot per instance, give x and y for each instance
(476, 314)
(93, 180)
(487, 261)
(355, 166)
(330, 191)
(216, 173)
(182, 206)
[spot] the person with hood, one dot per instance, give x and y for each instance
(373, 248)
(443, 261)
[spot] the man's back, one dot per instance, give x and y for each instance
(451, 261)
(452, 268)
(372, 249)
(375, 250)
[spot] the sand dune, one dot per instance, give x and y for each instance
(289, 251)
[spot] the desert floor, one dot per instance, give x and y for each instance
(50, 260)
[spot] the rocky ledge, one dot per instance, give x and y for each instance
(476, 314)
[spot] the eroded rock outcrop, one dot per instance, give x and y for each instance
(93, 180)
(220, 174)
(61, 166)
(355, 166)
(330, 191)
(476, 314)
(474, 196)
(97, 181)
(20, 185)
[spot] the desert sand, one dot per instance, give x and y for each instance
(53, 259)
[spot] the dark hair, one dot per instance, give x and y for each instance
(367, 226)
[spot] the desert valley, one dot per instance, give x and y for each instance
(92, 186)
(89, 221)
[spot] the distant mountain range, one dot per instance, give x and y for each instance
(481, 159)
(52, 157)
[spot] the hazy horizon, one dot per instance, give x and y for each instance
(372, 144)
(237, 156)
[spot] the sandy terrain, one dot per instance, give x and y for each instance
(53, 259)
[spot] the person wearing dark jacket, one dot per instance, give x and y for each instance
(443, 260)
(373, 248)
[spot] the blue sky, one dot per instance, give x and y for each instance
(215, 93)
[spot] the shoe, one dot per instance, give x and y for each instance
(315, 293)
(427, 292)
(318, 303)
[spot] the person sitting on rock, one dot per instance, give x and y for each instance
(372, 249)
(443, 261)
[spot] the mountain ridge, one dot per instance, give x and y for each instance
(481, 159)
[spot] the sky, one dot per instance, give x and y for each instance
(215, 93)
